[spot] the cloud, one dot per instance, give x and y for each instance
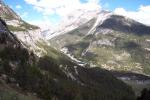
(142, 14)
(44, 23)
(18, 6)
(62, 7)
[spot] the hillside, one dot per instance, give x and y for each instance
(92, 55)
(52, 77)
(25, 32)
(15, 23)
(111, 41)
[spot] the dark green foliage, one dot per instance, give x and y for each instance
(28, 77)
(101, 80)
(12, 95)
(50, 65)
(49, 82)
(3, 37)
(3, 22)
(145, 95)
(15, 54)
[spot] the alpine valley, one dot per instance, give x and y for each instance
(91, 55)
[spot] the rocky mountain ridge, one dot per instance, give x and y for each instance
(111, 41)
(28, 34)
(72, 21)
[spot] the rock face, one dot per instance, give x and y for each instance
(28, 34)
(111, 41)
(30, 40)
(6, 37)
(7, 13)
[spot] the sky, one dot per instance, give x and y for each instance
(51, 12)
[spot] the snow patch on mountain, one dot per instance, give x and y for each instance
(103, 15)
(72, 21)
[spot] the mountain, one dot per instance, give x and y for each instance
(27, 33)
(24, 76)
(30, 69)
(15, 23)
(70, 22)
(7, 13)
(110, 41)
(11, 55)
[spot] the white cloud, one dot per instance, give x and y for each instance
(43, 24)
(142, 14)
(59, 7)
(62, 7)
(65, 7)
(18, 6)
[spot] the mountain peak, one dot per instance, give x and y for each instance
(100, 18)
(72, 21)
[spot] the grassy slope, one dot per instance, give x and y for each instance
(9, 93)
(49, 81)
(120, 56)
(126, 54)
(23, 27)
